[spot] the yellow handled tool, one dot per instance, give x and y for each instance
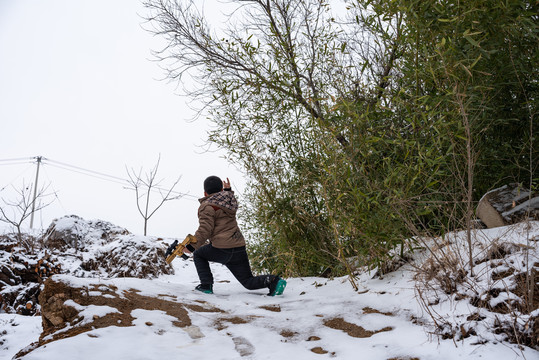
(176, 249)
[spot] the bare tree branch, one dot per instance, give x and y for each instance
(144, 186)
(21, 209)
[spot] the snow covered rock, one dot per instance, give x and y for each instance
(129, 256)
(76, 233)
(507, 205)
(98, 248)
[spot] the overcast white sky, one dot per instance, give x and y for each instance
(77, 85)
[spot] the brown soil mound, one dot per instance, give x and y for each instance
(57, 315)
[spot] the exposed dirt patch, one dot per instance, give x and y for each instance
(220, 323)
(137, 301)
(319, 350)
(57, 315)
(274, 308)
(313, 338)
(404, 358)
(288, 334)
(235, 320)
(352, 329)
(368, 310)
(203, 308)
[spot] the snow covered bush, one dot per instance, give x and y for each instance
(73, 232)
(499, 294)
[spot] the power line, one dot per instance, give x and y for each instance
(15, 163)
(106, 177)
(95, 174)
(160, 190)
(16, 177)
(85, 170)
(121, 182)
(17, 159)
(8, 162)
(54, 191)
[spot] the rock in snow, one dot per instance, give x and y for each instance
(105, 250)
(506, 205)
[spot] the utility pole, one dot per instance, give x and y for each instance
(35, 193)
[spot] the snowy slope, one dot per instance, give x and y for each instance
(315, 318)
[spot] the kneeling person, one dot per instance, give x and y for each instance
(217, 222)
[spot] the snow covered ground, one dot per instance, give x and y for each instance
(315, 318)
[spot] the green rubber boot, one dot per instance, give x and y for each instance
(277, 286)
(206, 289)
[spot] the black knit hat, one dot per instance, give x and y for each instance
(213, 184)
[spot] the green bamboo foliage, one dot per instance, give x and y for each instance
(359, 130)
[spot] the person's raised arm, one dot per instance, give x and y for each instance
(226, 185)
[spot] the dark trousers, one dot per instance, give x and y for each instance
(235, 260)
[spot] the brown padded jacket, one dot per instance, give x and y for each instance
(217, 221)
